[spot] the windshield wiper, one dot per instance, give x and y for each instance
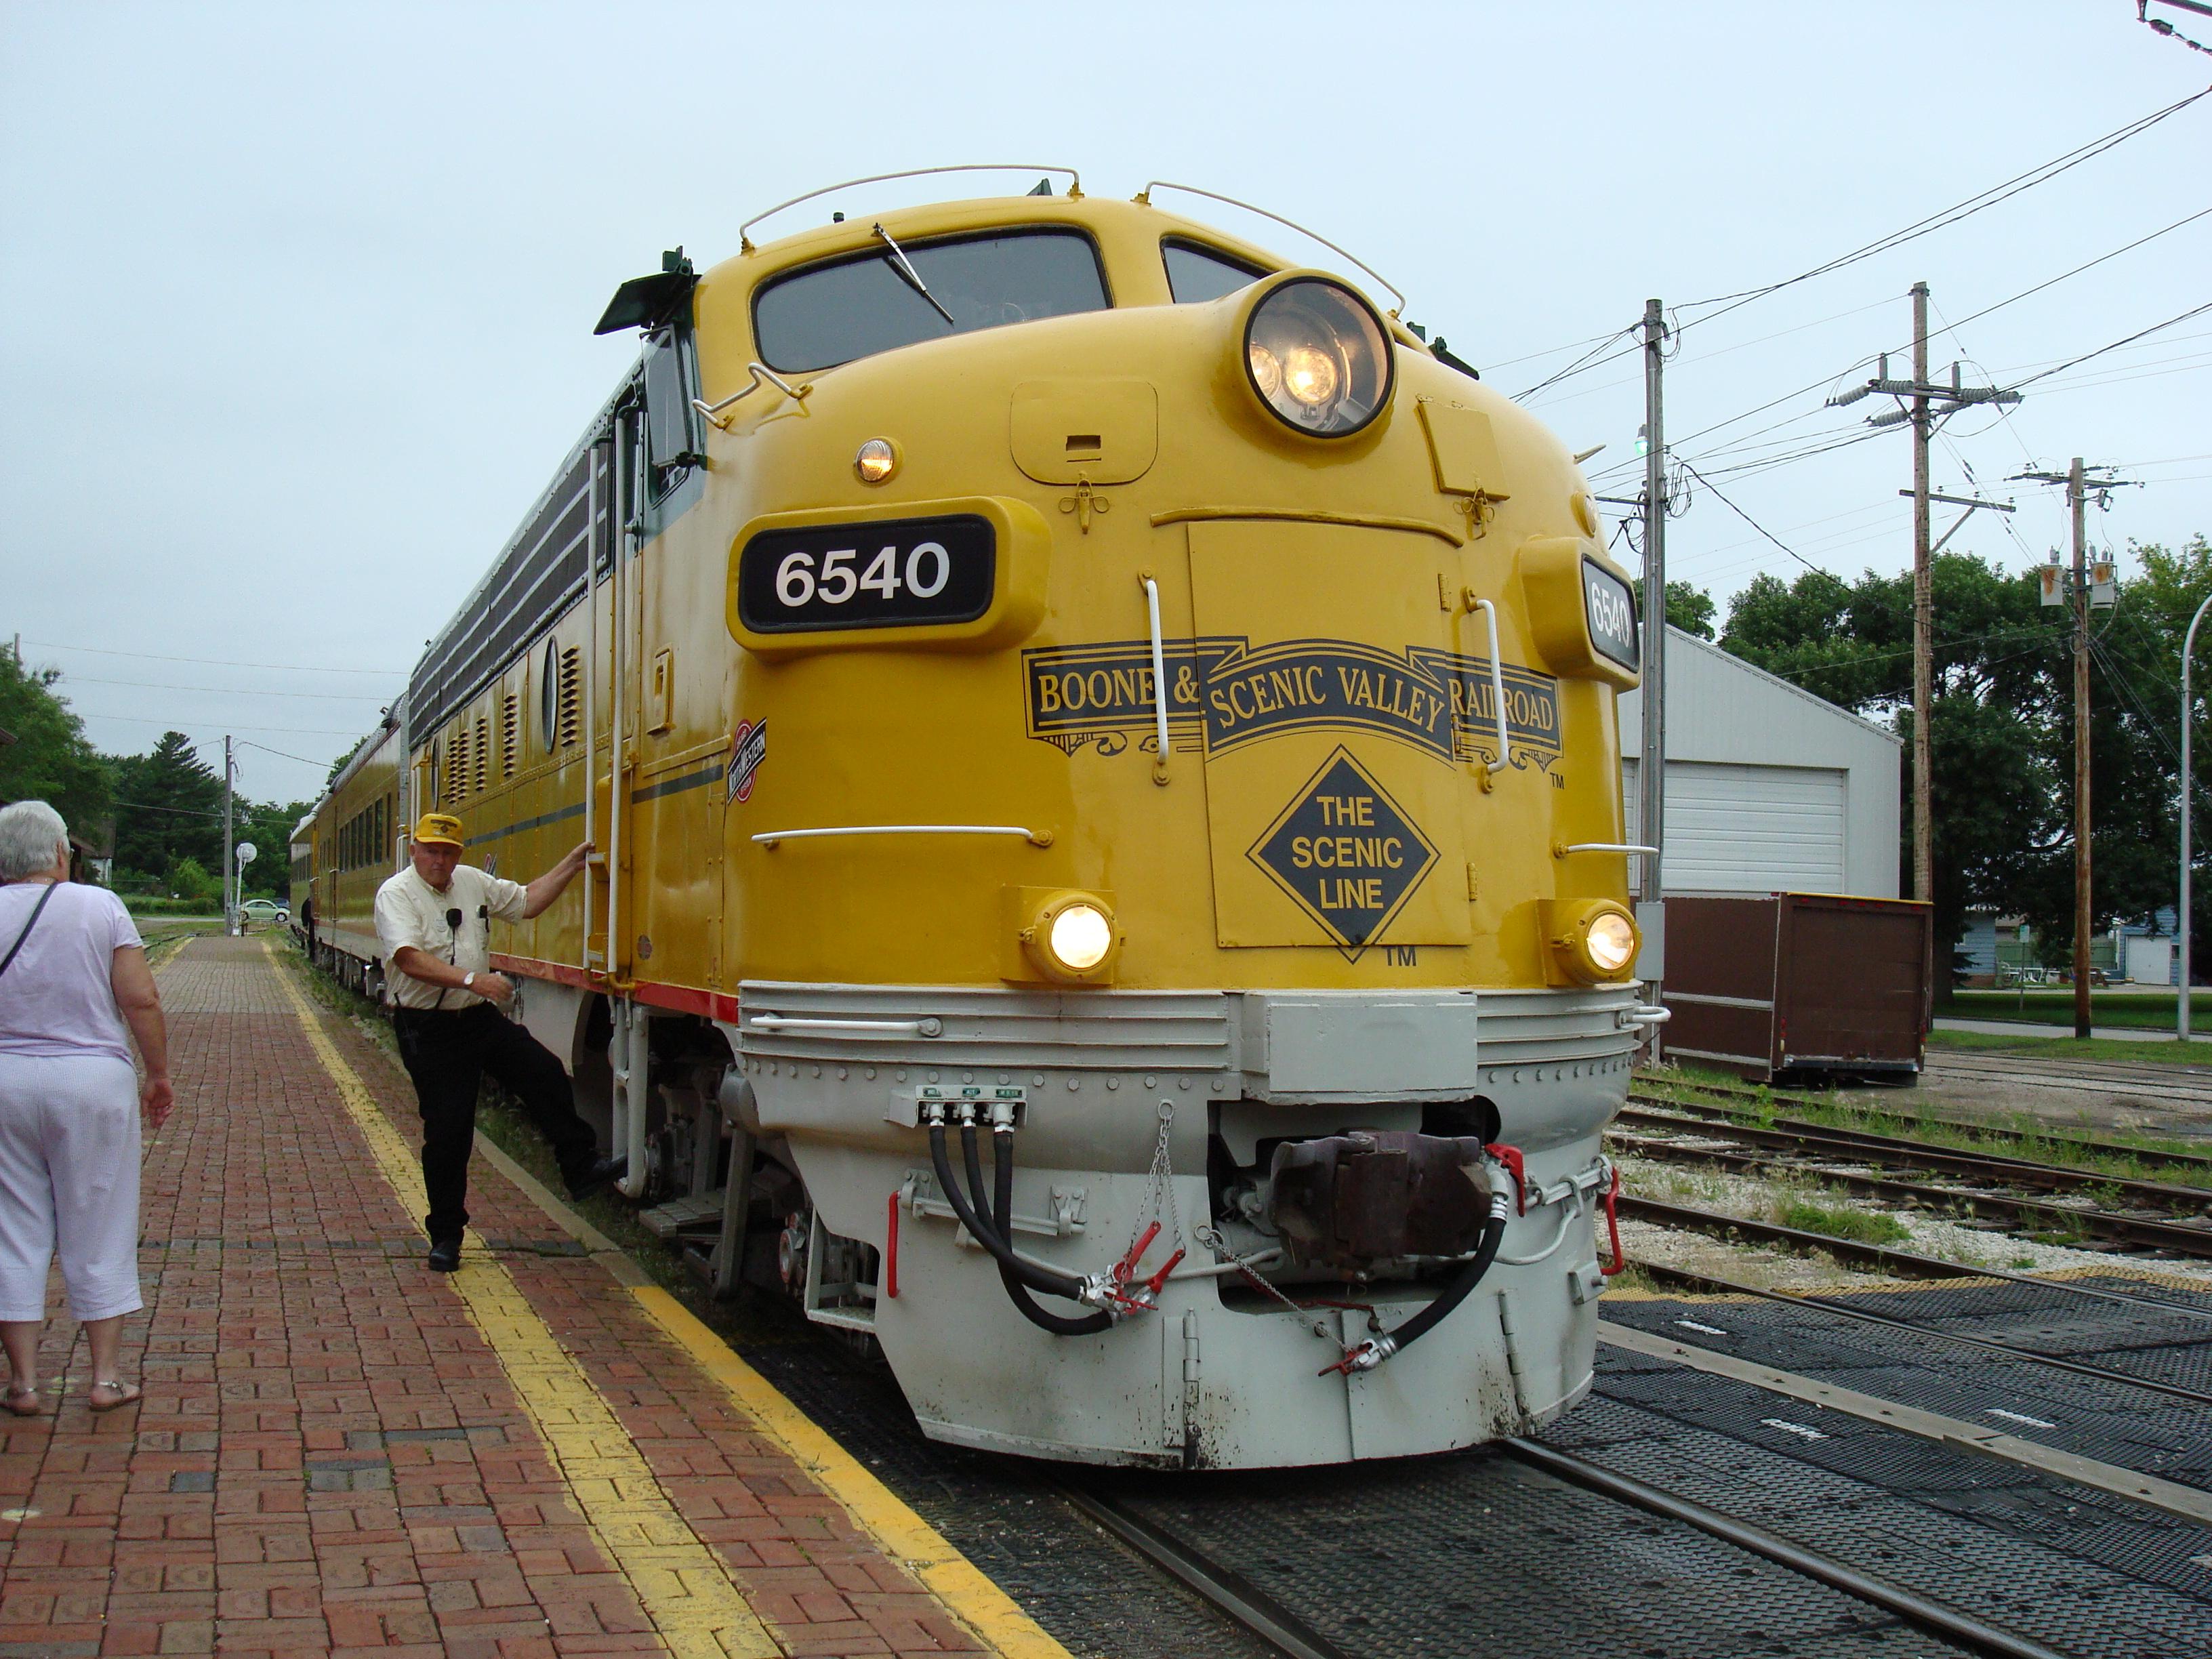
(912, 277)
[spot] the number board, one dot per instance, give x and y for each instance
(1609, 607)
(892, 573)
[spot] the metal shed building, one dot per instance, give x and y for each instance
(1769, 788)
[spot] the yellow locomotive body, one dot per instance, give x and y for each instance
(868, 632)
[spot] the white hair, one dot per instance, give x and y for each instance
(32, 834)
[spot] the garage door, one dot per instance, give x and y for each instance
(1747, 829)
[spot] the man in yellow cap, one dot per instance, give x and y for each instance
(434, 921)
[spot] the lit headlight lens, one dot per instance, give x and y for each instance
(1610, 941)
(1080, 937)
(1319, 358)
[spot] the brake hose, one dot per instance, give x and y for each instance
(1051, 1282)
(1002, 1157)
(1373, 1352)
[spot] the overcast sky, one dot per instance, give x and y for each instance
(295, 301)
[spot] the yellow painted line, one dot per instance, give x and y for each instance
(684, 1588)
(876, 1510)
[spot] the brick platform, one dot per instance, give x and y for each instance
(331, 1457)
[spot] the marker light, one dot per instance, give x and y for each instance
(1318, 356)
(876, 461)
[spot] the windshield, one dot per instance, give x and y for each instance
(830, 314)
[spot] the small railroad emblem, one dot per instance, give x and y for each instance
(1345, 853)
(748, 749)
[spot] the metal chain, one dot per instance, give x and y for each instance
(1160, 1194)
(1210, 1236)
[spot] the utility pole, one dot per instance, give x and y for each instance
(2079, 488)
(229, 909)
(1651, 766)
(1926, 406)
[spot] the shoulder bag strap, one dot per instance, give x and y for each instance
(8, 960)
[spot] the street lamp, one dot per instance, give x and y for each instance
(247, 853)
(2188, 652)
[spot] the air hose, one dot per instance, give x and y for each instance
(1373, 1352)
(1002, 1214)
(1011, 1266)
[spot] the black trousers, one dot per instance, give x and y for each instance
(446, 1053)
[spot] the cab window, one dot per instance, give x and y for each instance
(1196, 274)
(827, 314)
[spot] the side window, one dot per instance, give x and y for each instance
(670, 422)
(1196, 274)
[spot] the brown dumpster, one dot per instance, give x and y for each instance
(1806, 983)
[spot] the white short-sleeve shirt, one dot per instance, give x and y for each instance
(410, 911)
(57, 998)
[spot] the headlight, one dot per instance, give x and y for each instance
(1610, 939)
(876, 460)
(1319, 356)
(1071, 936)
(1594, 941)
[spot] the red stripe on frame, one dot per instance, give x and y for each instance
(676, 998)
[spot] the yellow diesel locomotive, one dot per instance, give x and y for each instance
(1101, 750)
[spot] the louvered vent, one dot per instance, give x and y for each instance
(572, 695)
(510, 735)
(457, 766)
(482, 755)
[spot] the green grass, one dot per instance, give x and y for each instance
(2198, 1052)
(1864, 1226)
(2148, 1010)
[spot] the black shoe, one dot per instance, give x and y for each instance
(445, 1254)
(597, 1176)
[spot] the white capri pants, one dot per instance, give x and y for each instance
(69, 1177)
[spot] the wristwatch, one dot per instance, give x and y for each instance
(468, 980)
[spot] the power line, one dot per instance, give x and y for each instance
(147, 719)
(208, 662)
(2130, 339)
(1752, 522)
(1957, 212)
(227, 690)
(303, 759)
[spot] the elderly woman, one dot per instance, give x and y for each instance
(73, 978)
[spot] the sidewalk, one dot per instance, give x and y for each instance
(341, 1452)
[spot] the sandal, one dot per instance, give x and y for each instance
(24, 1402)
(125, 1394)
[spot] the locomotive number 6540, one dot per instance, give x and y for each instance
(889, 573)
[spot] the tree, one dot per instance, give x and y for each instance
(269, 826)
(169, 806)
(50, 759)
(1689, 607)
(1996, 805)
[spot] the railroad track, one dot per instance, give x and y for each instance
(1253, 1610)
(2024, 1215)
(1882, 1258)
(1681, 1096)
(1716, 1284)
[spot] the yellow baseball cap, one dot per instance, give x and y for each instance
(438, 829)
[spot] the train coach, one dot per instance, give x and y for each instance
(1101, 744)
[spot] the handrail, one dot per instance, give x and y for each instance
(1496, 681)
(1601, 846)
(928, 1026)
(1035, 837)
(1075, 188)
(1144, 198)
(1159, 675)
(756, 375)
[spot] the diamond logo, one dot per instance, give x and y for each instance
(1345, 853)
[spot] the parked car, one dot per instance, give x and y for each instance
(262, 909)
